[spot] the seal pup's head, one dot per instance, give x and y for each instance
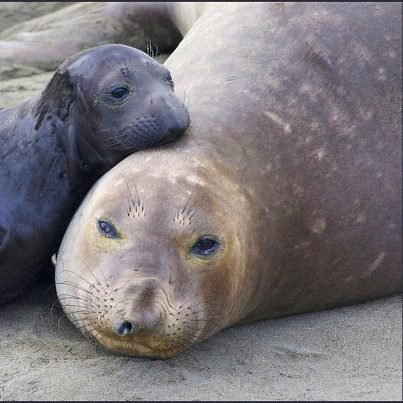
(112, 100)
(156, 259)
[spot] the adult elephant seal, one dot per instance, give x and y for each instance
(284, 198)
(100, 106)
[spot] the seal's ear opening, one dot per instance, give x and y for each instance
(57, 105)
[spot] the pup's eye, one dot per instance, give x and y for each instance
(169, 80)
(107, 229)
(205, 246)
(119, 92)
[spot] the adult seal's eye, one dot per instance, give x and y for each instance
(119, 92)
(205, 246)
(107, 229)
(169, 80)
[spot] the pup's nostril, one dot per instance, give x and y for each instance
(124, 328)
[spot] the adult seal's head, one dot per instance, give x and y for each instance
(164, 260)
(100, 106)
(115, 100)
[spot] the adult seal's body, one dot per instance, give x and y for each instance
(285, 197)
(100, 106)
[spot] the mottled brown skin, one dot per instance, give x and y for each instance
(101, 105)
(293, 163)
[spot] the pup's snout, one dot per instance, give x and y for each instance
(179, 126)
(174, 116)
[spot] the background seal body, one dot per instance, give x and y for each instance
(44, 42)
(100, 106)
(284, 198)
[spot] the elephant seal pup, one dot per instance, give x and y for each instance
(100, 106)
(284, 198)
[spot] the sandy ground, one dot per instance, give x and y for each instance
(352, 353)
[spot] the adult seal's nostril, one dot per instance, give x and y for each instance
(124, 328)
